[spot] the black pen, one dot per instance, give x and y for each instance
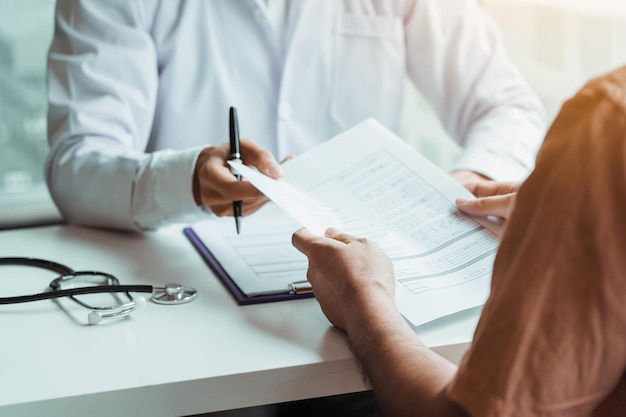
(235, 156)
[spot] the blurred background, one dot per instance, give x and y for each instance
(26, 28)
(556, 44)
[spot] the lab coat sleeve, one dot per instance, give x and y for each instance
(456, 59)
(102, 86)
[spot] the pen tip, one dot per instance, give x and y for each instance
(238, 224)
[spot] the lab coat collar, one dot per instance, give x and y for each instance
(296, 10)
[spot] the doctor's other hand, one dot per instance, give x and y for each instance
(493, 199)
(466, 178)
(215, 186)
(352, 278)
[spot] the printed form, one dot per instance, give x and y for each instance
(369, 183)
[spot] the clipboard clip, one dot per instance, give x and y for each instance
(300, 287)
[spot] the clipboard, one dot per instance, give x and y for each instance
(299, 289)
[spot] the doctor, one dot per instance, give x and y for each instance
(139, 93)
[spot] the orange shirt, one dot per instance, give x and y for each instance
(552, 337)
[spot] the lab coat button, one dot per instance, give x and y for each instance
(284, 111)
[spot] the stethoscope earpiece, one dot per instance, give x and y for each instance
(140, 302)
(94, 318)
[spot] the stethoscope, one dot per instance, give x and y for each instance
(72, 283)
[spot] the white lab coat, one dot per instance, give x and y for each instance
(138, 87)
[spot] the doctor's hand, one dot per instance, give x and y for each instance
(352, 278)
(468, 177)
(494, 199)
(215, 186)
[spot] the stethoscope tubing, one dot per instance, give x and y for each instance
(65, 271)
(104, 284)
(38, 263)
(48, 295)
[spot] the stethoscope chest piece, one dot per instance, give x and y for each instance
(174, 294)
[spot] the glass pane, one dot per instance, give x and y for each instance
(26, 29)
(558, 45)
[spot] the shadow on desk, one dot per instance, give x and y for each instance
(359, 404)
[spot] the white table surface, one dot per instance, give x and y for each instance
(208, 355)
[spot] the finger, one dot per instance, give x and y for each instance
(216, 168)
(217, 176)
(466, 177)
(336, 234)
(490, 188)
(262, 159)
(484, 188)
(302, 240)
(225, 208)
(487, 206)
(228, 188)
(251, 207)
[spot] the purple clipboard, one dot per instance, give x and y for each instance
(240, 296)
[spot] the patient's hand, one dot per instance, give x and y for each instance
(352, 278)
(493, 199)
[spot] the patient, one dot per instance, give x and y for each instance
(551, 340)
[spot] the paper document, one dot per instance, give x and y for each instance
(369, 183)
(260, 260)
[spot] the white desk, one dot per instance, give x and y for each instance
(205, 356)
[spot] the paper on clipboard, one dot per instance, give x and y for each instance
(372, 184)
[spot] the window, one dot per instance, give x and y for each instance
(26, 29)
(557, 45)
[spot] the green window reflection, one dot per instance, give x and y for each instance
(26, 28)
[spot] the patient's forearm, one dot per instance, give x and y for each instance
(408, 379)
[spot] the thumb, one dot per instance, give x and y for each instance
(262, 159)
(486, 206)
(336, 234)
(302, 240)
